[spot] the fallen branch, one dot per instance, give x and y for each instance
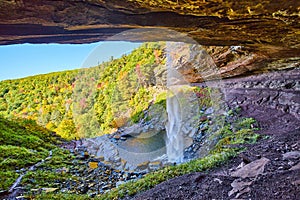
(19, 179)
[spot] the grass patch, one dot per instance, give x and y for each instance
(152, 179)
(63, 196)
(161, 99)
(22, 144)
(42, 178)
(7, 178)
(52, 173)
(61, 158)
(14, 157)
(221, 153)
(218, 155)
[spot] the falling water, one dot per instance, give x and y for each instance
(174, 142)
(175, 108)
(182, 103)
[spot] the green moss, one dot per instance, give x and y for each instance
(62, 196)
(242, 133)
(23, 144)
(246, 123)
(152, 179)
(7, 178)
(44, 178)
(49, 174)
(14, 157)
(60, 158)
(221, 153)
(218, 155)
(161, 99)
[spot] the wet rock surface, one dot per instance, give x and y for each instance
(127, 154)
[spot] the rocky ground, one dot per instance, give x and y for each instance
(96, 175)
(87, 175)
(269, 169)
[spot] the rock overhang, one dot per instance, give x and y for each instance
(208, 22)
(268, 31)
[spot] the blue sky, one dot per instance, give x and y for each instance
(17, 61)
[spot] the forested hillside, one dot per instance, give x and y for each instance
(88, 102)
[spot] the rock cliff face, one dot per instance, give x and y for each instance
(243, 38)
(267, 31)
(255, 23)
(273, 99)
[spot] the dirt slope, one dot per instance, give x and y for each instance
(269, 169)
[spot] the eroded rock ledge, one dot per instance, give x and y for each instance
(267, 30)
(273, 99)
(208, 22)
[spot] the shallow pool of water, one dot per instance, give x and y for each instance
(144, 143)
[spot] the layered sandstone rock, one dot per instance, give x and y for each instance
(254, 23)
(259, 32)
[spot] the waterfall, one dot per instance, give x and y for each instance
(174, 143)
(182, 104)
(175, 109)
(181, 125)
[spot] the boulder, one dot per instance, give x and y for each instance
(93, 165)
(153, 166)
(291, 155)
(142, 166)
(252, 169)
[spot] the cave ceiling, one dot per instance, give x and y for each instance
(267, 29)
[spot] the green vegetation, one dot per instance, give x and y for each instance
(61, 196)
(226, 136)
(87, 102)
(218, 155)
(51, 172)
(92, 102)
(205, 95)
(22, 144)
(45, 99)
(152, 179)
(123, 95)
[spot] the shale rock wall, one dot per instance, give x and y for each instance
(271, 98)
